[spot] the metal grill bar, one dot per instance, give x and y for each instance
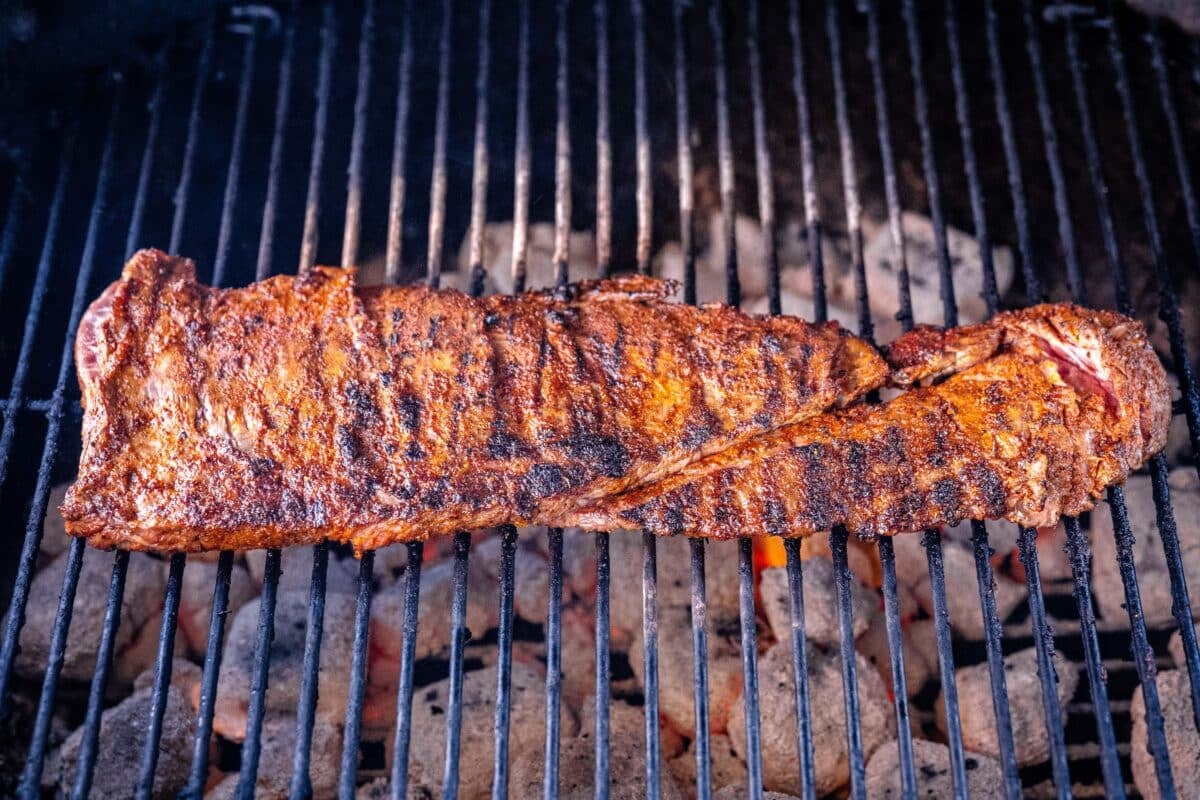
(34, 761)
(458, 639)
(804, 742)
(650, 659)
(508, 546)
(479, 163)
(941, 624)
(812, 213)
(887, 156)
(395, 233)
(32, 774)
(995, 658)
(235, 157)
(929, 163)
(358, 677)
(312, 202)
(203, 64)
(762, 162)
(1169, 313)
(138, 214)
(520, 242)
(699, 598)
(86, 764)
(1143, 655)
(198, 773)
(1012, 161)
(603, 667)
(259, 676)
(962, 112)
(306, 702)
(1080, 553)
(1062, 207)
(1159, 64)
(1043, 639)
(33, 532)
(854, 746)
(645, 197)
(733, 288)
(162, 678)
(849, 185)
(750, 668)
(437, 183)
(266, 239)
(891, 609)
(554, 661)
(683, 130)
(603, 145)
(408, 652)
(352, 226)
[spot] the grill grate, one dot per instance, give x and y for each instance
(254, 32)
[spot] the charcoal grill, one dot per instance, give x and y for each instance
(153, 123)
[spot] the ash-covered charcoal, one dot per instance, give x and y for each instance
(740, 793)
(820, 603)
(119, 754)
(920, 249)
(627, 721)
(433, 640)
(726, 767)
(195, 602)
(275, 760)
(676, 692)
(526, 729)
(1154, 578)
(777, 706)
(1024, 704)
(185, 676)
(920, 652)
(539, 256)
(295, 570)
(962, 586)
(1183, 742)
(576, 771)
(136, 637)
(674, 582)
(985, 781)
(287, 661)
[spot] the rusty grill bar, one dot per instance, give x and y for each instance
(705, 25)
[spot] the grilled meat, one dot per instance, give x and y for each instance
(303, 408)
(1044, 409)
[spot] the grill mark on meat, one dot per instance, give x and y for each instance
(294, 401)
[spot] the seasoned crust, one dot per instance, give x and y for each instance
(1043, 410)
(301, 408)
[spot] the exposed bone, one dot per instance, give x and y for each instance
(287, 661)
(1024, 703)
(777, 706)
(985, 781)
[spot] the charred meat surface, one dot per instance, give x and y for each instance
(1043, 410)
(301, 408)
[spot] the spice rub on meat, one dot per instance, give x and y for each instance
(1043, 410)
(301, 408)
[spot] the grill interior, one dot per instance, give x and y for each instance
(265, 140)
